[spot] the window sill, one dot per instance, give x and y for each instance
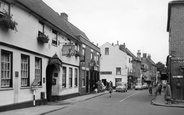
(28, 87)
(4, 89)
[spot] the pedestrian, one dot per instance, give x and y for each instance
(168, 94)
(150, 88)
(160, 88)
(110, 88)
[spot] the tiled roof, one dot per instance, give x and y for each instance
(76, 31)
(131, 54)
(43, 10)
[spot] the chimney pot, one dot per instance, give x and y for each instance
(64, 16)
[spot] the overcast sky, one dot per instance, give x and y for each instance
(140, 24)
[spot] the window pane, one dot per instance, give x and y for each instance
(24, 70)
(64, 77)
(70, 77)
(106, 51)
(38, 75)
(6, 79)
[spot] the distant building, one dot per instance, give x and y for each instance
(149, 69)
(113, 64)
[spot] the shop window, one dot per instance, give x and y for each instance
(24, 70)
(38, 70)
(6, 69)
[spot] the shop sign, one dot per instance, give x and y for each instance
(177, 76)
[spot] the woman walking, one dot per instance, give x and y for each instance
(110, 88)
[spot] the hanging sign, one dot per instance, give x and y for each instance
(68, 50)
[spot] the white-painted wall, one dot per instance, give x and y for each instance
(116, 58)
(26, 38)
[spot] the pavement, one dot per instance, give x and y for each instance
(160, 101)
(58, 105)
(52, 106)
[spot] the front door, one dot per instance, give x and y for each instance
(87, 81)
(49, 72)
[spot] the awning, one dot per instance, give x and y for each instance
(55, 60)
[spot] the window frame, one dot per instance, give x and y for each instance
(28, 70)
(118, 70)
(76, 78)
(83, 78)
(10, 55)
(40, 59)
(106, 51)
(70, 77)
(55, 39)
(8, 12)
(64, 73)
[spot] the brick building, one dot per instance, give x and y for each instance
(175, 60)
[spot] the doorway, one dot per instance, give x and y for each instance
(49, 72)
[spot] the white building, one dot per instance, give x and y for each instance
(24, 58)
(113, 64)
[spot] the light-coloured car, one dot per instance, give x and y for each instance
(121, 87)
(145, 86)
(138, 86)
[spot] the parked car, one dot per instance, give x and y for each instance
(145, 86)
(138, 86)
(121, 87)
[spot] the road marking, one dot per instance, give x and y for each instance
(128, 96)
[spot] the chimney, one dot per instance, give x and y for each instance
(149, 56)
(144, 55)
(139, 54)
(64, 16)
(117, 42)
(122, 47)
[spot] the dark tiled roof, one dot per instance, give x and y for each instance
(76, 31)
(43, 10)
(131, 54)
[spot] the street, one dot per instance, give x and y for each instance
(129, 103)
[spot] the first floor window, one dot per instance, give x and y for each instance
(6, 69)
(83, 78)
(118, 71)
(76, 76)
(70, 77)
(24, 70)
(64, 78)
(38, 70)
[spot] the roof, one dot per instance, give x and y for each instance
(42, 9)
(76, 31)
(48, 14)
(131, 54)
(171, 3)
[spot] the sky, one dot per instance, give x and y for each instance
(140, 24)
